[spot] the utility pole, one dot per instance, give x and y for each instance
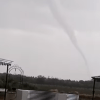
(5, 63)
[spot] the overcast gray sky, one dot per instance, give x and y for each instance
(33, 39)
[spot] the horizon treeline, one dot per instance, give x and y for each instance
(49, 81)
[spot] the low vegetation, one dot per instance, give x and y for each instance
(43, 83)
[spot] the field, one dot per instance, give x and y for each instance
(88, 97)
(67, 89)
(84, 93)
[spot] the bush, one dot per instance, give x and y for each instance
(29, 86)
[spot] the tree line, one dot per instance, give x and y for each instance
(47, 81)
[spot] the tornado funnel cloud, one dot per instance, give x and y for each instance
(57, 11)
